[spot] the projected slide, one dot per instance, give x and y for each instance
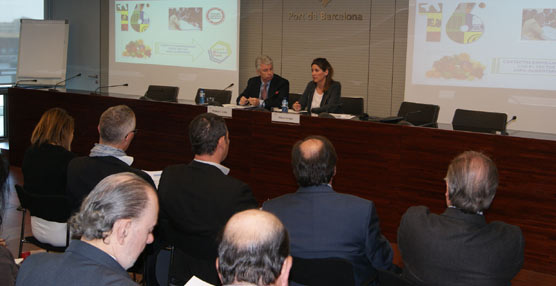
(198, 34)
(498, 44)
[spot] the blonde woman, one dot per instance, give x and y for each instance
(44, 172)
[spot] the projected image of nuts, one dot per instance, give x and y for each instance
(459, 67)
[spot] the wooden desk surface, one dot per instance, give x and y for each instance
(395, 166)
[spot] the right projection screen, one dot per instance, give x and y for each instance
(490, 56)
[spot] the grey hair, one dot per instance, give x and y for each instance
(263, 60)
(115, 123)
(118, 196)
(472, 180)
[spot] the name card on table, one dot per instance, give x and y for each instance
(291, 118)
(219, 110)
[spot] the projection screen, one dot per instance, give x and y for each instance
(491, 56)
(190, 44)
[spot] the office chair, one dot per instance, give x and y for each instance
(479, 121)
(419, 114)
(220, 96)
(322, 271)
(28, 201)
(162, 93)
(351, 105)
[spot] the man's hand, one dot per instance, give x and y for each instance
(254, 101)
(243, 101)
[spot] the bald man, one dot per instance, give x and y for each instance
(458, 247)
(254, 248)
(323, 223)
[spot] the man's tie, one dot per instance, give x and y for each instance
(263, 92)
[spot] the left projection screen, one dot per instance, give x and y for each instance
(189, 44)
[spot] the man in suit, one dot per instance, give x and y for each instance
(323, 223)
(116, 129)
(115, 223)
(266, 90)
(254, 249)
(198, 198)
(458, 247)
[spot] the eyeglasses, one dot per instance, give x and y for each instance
(134, 131)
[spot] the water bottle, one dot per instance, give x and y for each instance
(285, 105)
(202, 96)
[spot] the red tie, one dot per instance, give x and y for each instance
(263, 92)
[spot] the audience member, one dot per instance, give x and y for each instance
(254, 250)
(198, 198)
(266, 90)
(458, 247)
(8, 268)
(322, 94)
(117, 129)
(115, 223)
(323, 223)
(44, 170)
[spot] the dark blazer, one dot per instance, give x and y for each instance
(278, 89)
(323, 223)
(81, 264)
(84, 173)
(44, 172)
(196, 201)
(457, 248)
(330, 99)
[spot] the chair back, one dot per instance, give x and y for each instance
(162, 93)
(419, 114)
(36, 205)
(322, 271)
(292, 98)
(220, 96)
(479, 121)
(21, 196)
(351, 105)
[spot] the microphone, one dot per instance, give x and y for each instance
(24, 80)
(231, 84)
(514, 118)
(107, 86)
(56, 85)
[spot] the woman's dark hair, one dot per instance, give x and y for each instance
(324, 65)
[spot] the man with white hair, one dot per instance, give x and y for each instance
(458, 247)
(266, 90)
(115, 223)
(116, 129)
(254, 250)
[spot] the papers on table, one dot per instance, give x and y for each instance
(194, 281)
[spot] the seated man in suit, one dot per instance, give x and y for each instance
(254, 250)
(266, 90)
(115, 223)
(458, 247)
(197, 199)
(117, 129)
(323, 223)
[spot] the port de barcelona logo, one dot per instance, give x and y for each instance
(324, 15)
